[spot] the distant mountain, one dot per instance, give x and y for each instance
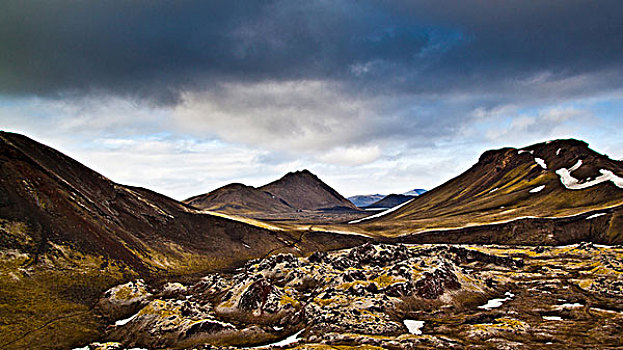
(523, 195)
(238, 197)
(362, 201)
(304, 190)
(390, 201)
(296, 191)
(415, 192)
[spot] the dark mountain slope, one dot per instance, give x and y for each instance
(63, 202)
(364, 200)
(238, 197)
(67, 234)
(390, 201)
(304, 190)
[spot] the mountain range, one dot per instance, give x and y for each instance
(295, 191)
(379, 201)
(69, 235)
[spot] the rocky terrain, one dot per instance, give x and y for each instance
(386, 296)
(85, 259)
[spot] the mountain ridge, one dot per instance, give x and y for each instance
(511, 183)
(295, 191)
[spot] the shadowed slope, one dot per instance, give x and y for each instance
(390, 201)
(238, 197)
(304, 190)
(67, 234)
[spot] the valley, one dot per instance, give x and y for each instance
(521, 251)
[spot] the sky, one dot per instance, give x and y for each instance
(183, 97)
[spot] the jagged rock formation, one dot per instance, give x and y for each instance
(365, 290)
(397, 297)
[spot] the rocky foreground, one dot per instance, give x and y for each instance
(385, 296)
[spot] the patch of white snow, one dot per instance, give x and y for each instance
(558, 151)
(541, 162)
(125, 321)
(569, 305)
(574, 184)
(294, 338)
(381, 213)
(495, 303)
(595, 216)
(493, 190)
(537, 189)
(552, 318)
(414, 327)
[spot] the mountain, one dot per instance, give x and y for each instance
(304, 190)
(415, 192)
(520, 195)
(237, 197)
(390, 201)
(61, 202)
(68, 233)
(362, 201)
(295, 192)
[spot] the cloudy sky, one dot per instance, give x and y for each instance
(373, 96)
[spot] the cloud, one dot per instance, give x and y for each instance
(544, 124)
(159, 50)
(351, 156)
(296, 115)
(331, 85)
(307, 117)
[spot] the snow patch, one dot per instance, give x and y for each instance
(414, 327)
(572, 183)
(569, 305)
(125, 321)
(558, 151)
(595, 216)
(246, 245)
(493, 190)
(552, 318)
(294, 338)
(541, 162)
(381, 213)
(525, 151)
(537, 189)
(576, 166)
(495, 303)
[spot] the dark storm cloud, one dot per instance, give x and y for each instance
(156, 49)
